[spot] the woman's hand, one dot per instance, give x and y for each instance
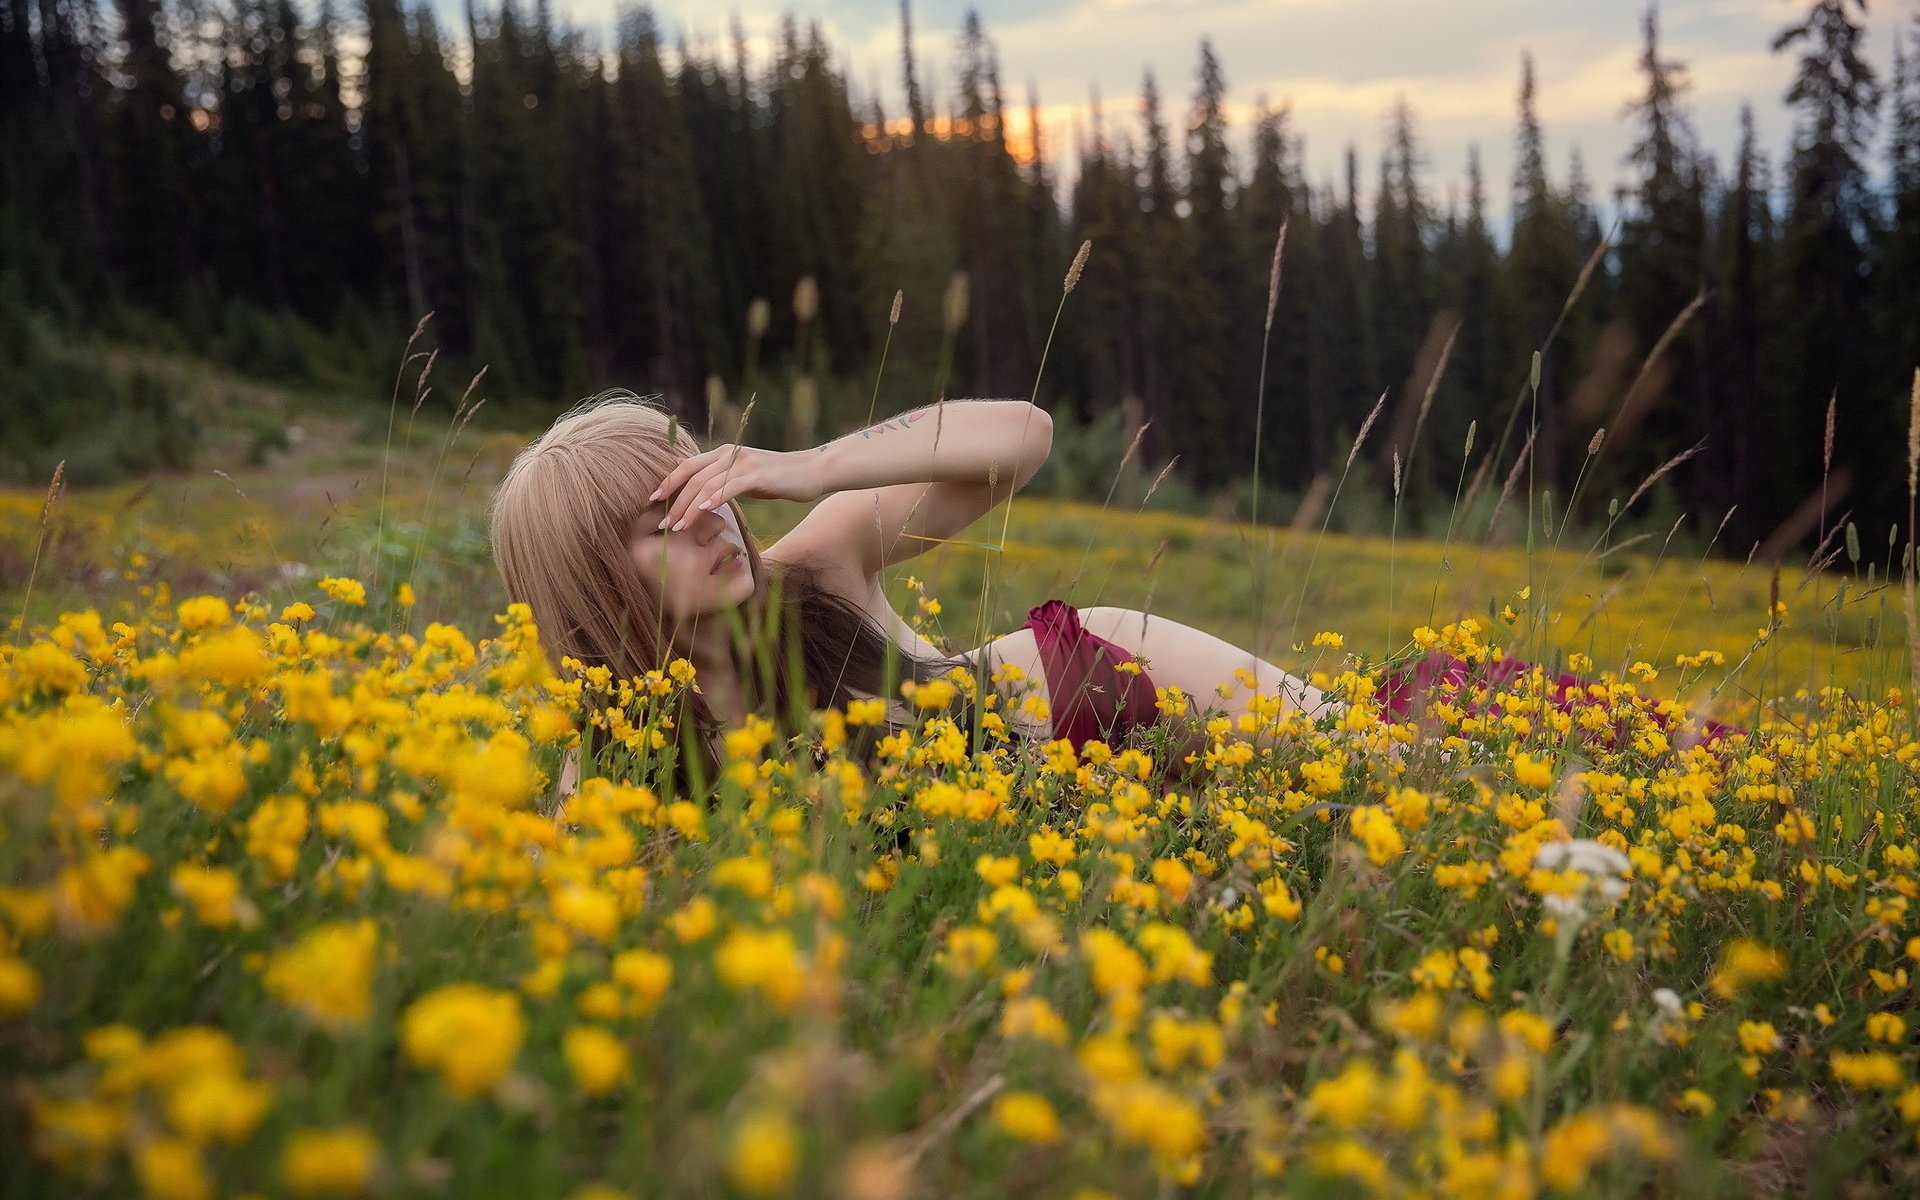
(727, 472)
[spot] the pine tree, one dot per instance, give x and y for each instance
(1104, 352)
(1831, 219)
(1401, 289)
(1743, 262)
(1663, 268)
(1275, 194)
(147, 134)
(998, 334)
(1216, 312)
(1543, 266)
(1349, 378)
(1896, 303)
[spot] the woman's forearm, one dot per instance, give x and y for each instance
(957, 441)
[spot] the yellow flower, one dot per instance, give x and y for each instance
(329, 1162)
(405, 595)
(763, 1154)
(469, 1033)
(1030, 1016)
(19, 986)
(761, 960)
(1529, 772)
(1743, 962)
(590, 912)
(217, 1106)
(203, 612)
(645, 975)
(1619, 943)
(171, 1169)
(1886, 1027)
(1348, 1100)
(1875, 1069)
(997, 872)
(347, 591)
(696, 921)
(1027, 1116)
(328, 974)
(1758, 1037)
(1372, 826)
(597, 1059)
(969, 949)
(214, 895)
(1571, 1149)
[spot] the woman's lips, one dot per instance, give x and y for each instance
(728, 557)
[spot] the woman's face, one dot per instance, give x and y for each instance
(696, 571)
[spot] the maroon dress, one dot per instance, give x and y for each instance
(1091, 699)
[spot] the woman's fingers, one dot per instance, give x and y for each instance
(689, 466)
(703, 490)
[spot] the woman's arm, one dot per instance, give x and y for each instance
(916, 480)
(996, 442)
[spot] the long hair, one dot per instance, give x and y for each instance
(560, 526)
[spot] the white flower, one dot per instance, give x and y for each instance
(1668, 1001)
(1601, 865)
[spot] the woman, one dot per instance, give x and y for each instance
(629, 545)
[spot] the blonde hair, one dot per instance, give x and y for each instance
(561, 525)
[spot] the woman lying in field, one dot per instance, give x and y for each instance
(627, 542)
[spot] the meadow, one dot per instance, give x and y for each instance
(287, 909)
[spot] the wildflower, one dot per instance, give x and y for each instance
(19, 986)
(213, 893)
(969, 949)
(347, 591)
(1348, 1100)
(1374, 828)
(645, 975)
(469, 1033)
(1619, 943)
(172, 1169)
(997, 872)
(763, 1154)
(1027, 1116)
(330, 1162)
(1758, 1037)
(1030, 1016)
(328, 974)
(589, 912)
(764, 961)
(1745, 962)
(217, 1106)
(597, 1059)
(1875, 1069)
(1886, 1027)
(1531, 772)
(1593, 870)
(1571, 1150)
(203, 612)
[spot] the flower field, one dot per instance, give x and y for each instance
(286, 909)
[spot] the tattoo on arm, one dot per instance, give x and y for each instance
(899, 422)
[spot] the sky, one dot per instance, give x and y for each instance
(1338, 64)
